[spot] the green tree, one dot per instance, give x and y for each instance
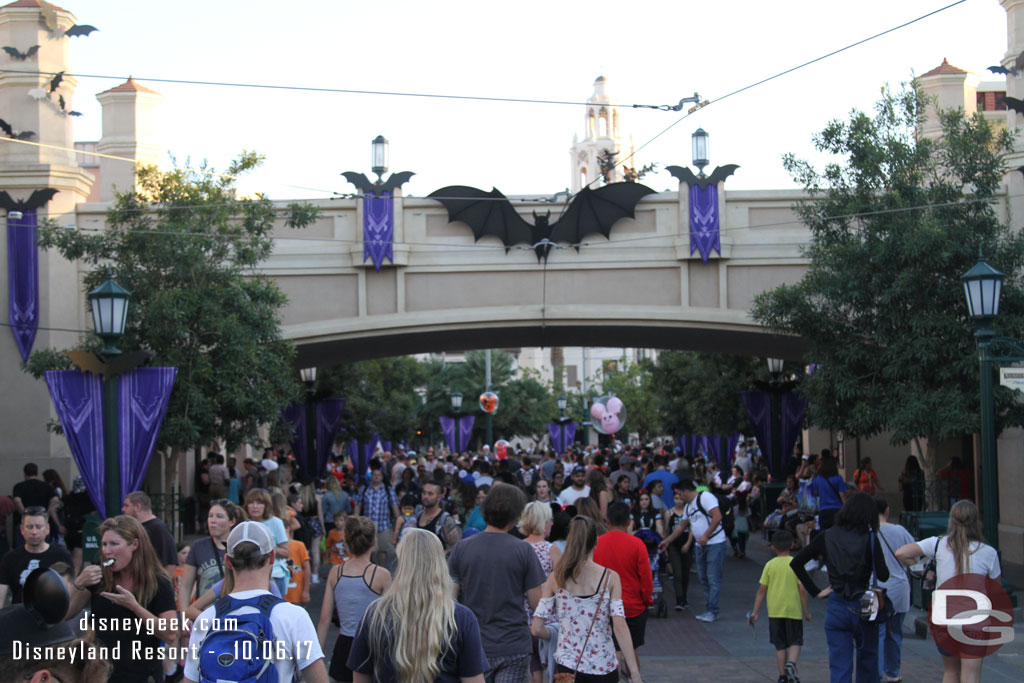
(895, 221)
(187, 247)
(699, 393)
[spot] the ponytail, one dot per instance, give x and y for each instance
(580, 542)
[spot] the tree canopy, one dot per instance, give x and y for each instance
(186, 247)
(895, 221)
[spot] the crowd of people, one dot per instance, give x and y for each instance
(450, 567)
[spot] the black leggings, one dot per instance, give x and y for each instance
(681, 563)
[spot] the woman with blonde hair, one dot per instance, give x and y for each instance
(351, 587)
(535, 523)
(260, 507)
(961, 551)
(134, 586)
(416, 632)
(582, 595)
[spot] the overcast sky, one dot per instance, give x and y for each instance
(652, 52)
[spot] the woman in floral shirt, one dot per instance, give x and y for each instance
(581, 593)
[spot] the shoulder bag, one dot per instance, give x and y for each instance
(875, 605)
(570, 676)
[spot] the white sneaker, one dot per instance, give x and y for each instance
(707, 617)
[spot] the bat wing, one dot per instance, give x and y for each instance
(486, 213)
(6, 127)
(1018, 63)
(39, 198)
(88, 362)
(361, 182)
(6, 203)
(13, 52)
(597, 211)
(722, 172)
(25, 135)
(1015, 104)
(128, 362)
(683, 174)
(999, 69)
(80, 30)
(396, 181)
(55, 82)
(31, 52)
(74, 113)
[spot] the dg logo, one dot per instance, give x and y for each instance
(971, 616)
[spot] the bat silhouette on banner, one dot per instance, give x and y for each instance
(9, 131)
(363, 184)
(690, 178)
(36, 200)
(491, 213)
(90, 362)
(21, 56)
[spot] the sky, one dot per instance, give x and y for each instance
(651, 52)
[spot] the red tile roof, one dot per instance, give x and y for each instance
(31, 3)
(944, 69)
(129, 86)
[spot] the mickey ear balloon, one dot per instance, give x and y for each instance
(488, 402)
(501, 449)
(609, 414)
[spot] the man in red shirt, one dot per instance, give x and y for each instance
(624, 553)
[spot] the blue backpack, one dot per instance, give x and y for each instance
(242, 654)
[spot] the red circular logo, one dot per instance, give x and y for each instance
(971, 616)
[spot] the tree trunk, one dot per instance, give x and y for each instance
(928, 456)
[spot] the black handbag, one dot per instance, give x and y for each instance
(875, 605)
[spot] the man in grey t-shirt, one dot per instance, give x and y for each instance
(493, 571)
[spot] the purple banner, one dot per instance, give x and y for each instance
(704, 233)
(144, 394)
(465, 430)
(78, 398)
(328, 422)
(23, 280)
(465, 427)
(562, 434)
(794, 407)
(448, 431)
(295, 417)
(378, 229)
(759, 409)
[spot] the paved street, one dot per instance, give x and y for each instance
(680, 648)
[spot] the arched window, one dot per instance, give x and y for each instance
(590, 124)
(602, 125)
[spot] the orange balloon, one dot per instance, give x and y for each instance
(488, 402)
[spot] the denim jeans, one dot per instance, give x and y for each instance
(890, 645)
(709, 568)
(846, 634)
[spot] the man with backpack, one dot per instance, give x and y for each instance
(435, 520)
(704, 516)
(250, 635)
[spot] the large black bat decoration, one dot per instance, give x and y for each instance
(363, 184)
(702, 181)
(491, 213)
(15, 53)
(37, 200)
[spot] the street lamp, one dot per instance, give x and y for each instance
(983, 285)
(562, 403)
(308, 376)
(699, 148)
(776, 388)
(379, 161)
(775, 366)
(457, 407)
(109, 304)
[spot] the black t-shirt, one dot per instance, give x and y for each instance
(34, 492)
(19, 563)
(163, 542)
(129, 667)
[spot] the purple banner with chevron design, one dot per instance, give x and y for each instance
(23, 280)
(704, 233)
(378, 229)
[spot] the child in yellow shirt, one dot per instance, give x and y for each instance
(787, 607)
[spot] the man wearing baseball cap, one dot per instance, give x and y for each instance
(579, 487)
(249, 553)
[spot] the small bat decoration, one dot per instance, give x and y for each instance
(1018, 63)
(687, 176)
(1014, 104)
(38, 93)
(55, 81)
(9, 131)
(49, 16)
(364, 185)
(90, 362)
(21, 56)
(491, 213)
(63, 108)
(80, 30)
(37, 200)
(998, 69)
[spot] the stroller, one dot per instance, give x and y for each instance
(651, 539)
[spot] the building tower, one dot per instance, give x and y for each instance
(601, 136)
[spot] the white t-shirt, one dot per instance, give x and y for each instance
(570, 495)
(699, 521)
(981, 560)
(291, 624)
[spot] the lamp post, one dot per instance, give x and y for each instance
(775, 366)
(457, 407)
(109, 304)
(982, 286)
(308, 376)
(699, 149)
(562, 403)
(379, 154)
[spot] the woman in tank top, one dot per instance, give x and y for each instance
(351, 587)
